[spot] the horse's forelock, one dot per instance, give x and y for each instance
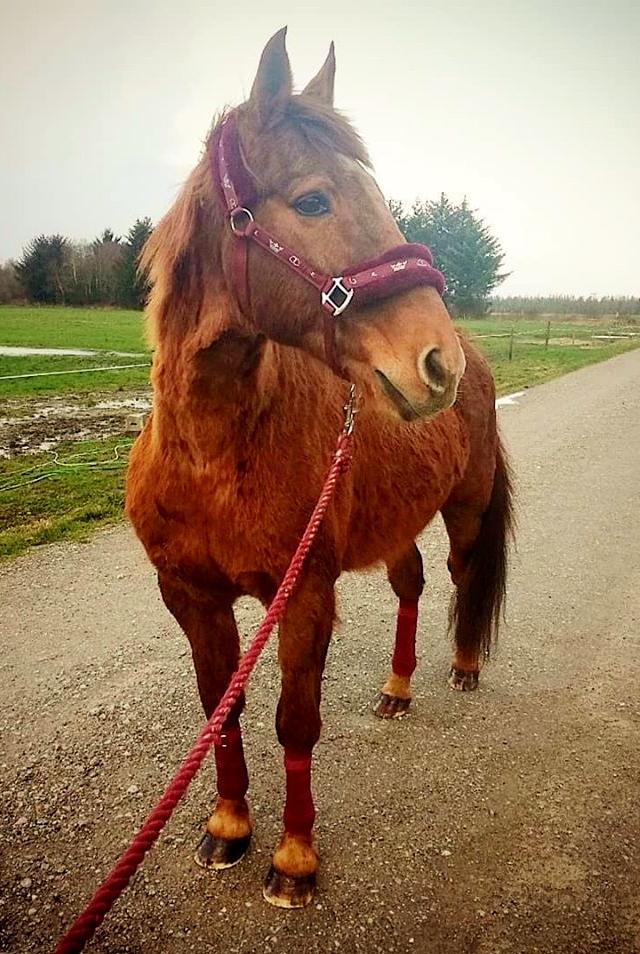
(326, 129)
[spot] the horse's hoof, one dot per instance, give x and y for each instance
(219, 853)
(390, 707)
(285, 891)
(463, 680)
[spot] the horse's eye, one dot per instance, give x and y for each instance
(315, 203)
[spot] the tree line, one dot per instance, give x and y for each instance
(54, 270)
(565, 305)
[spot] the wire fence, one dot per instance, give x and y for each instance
(546, 338)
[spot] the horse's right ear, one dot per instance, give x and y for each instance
(273, 84)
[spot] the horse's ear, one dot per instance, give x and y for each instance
(321, 86)
(273, 84)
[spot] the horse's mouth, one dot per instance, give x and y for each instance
(404, 408)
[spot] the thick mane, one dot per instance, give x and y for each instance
(182, 255)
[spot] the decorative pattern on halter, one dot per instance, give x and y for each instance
(395, 271)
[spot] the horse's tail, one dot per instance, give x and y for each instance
(477, 604)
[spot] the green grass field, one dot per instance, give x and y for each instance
(75, 499)
(111, 329)
(99, 329)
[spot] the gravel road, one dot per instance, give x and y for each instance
(505, 820)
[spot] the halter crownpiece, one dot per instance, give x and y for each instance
(397, 270)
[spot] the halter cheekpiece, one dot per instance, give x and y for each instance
(395, 271)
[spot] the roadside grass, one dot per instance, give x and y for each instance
(71, 503)
(101, 329)
(533, 363)
(572, 345)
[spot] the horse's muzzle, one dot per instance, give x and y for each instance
(437, 399)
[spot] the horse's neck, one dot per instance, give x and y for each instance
(209, 399)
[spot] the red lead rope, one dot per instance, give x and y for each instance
(85, 926)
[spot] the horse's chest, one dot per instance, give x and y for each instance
(216, 523)
(407, 482)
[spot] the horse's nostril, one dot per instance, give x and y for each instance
(437, 375)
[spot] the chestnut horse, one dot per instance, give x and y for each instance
(246, 413)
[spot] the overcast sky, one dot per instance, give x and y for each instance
(530, 108)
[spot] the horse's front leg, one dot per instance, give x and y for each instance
(305, 632)
(208, 621)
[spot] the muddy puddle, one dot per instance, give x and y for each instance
(33, 425)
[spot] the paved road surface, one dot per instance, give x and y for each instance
(501, 821)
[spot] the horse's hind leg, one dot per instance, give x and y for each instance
(463, 527)
(208, 622)
(407, 580)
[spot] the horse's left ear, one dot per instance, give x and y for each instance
(321, 86)
(273, 84)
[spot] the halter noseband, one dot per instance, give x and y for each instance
(395, 271)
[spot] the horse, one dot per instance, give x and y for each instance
(250, 374)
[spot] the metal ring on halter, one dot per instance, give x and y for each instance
(233, 221)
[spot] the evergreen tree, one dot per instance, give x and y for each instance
(41, 270)
(463, 247)
(107, 252)
(132, 287)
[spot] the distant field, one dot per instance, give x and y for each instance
(577, 327)
(533, 363)
(109, 329)
(102, 329)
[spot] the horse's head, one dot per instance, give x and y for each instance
(312, 194)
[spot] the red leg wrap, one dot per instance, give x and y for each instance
(233, 779)
(403, 662)
(299, 813)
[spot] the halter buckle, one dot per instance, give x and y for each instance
(336, 299)
(238, 228)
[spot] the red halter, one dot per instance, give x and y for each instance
(395, 271)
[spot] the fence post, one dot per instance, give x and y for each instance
(546, 340)
(511, 345)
